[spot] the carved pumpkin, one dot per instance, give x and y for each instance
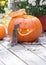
(29, 29)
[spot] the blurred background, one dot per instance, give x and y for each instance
(29, 5)
(33, 7)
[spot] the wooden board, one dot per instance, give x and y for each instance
(37, 50)
(24, 54)
(8, 58)
(1, 63)
(34, 54)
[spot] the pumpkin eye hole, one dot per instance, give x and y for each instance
(28, 30)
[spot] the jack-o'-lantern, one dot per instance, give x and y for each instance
(29, 28)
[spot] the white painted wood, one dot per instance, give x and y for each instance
(18, 49)
(42, 40)
(24, 54)
(38, 50)
(38, 57)
(8, 58)
(44, 45)
(27, 56)
(1, 63)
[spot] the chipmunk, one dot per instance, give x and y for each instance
(14, 35)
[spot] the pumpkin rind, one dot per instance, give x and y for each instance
(33, 24)
(2, 31)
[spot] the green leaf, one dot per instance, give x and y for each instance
(33, 10)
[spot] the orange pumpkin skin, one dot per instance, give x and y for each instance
(27, 22)
(2, 31)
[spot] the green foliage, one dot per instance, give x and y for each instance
(36, 10)
(2, 10)
(2, 5)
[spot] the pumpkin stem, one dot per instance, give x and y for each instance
(14, 35)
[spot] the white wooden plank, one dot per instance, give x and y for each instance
(38, 50)
(8, 58)
(27, 56)
(1, 63)
(24, 54)
(18, 48)
(44, 45)
(42, 39)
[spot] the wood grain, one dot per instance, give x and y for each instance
(22, 54)
(8, 58)
(26, 55)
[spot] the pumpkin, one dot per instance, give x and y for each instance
(2, 30)
(17, 13)
(29, 28)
